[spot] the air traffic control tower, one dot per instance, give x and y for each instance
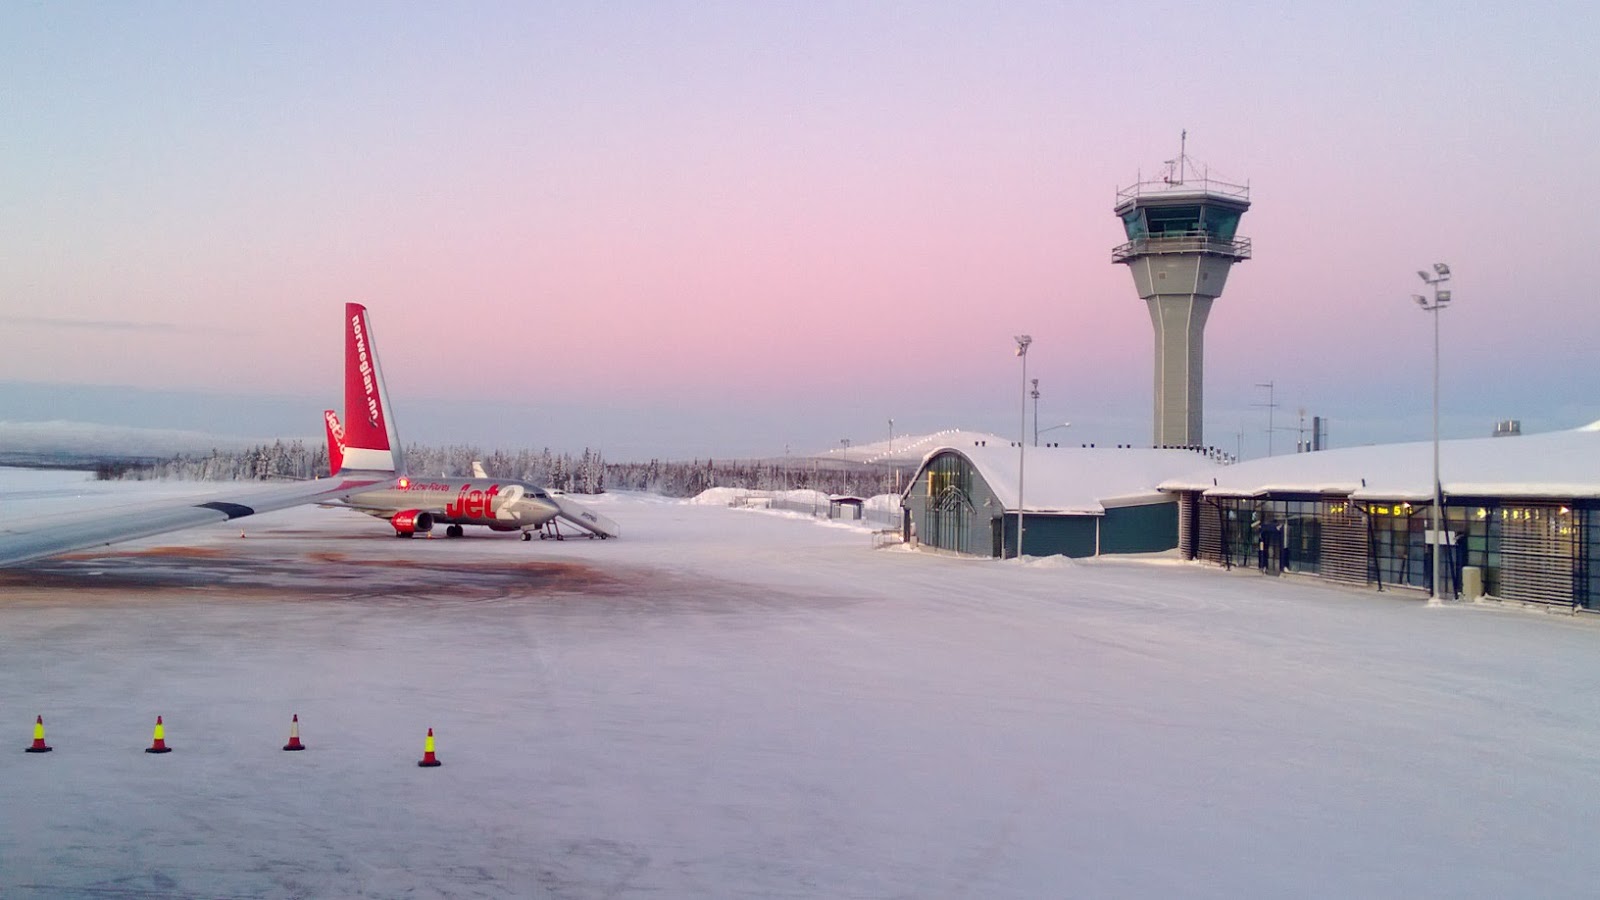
(1182, 240)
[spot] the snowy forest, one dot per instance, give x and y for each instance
(587, 473)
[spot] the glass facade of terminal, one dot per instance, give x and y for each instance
(952, 508)
(1533, 551)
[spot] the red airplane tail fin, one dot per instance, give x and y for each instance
(335, 441)
(370, 441)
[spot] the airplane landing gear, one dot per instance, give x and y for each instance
(527, 536)
(454, 531)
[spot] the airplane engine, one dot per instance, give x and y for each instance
(412, 521)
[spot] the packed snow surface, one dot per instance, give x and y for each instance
(733, 703)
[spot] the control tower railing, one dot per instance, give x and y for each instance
(1186, 242)
(1196, 187)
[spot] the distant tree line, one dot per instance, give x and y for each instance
(292, 460)
(586, 473)
(582, 474)
(686, 479)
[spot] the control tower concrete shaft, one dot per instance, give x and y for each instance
(1182, 240)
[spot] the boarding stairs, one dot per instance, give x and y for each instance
(575, 513)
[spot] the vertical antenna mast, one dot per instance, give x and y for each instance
(1183, 150)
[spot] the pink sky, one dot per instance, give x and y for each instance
(820, 215)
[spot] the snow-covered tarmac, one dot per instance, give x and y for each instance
(731, 703)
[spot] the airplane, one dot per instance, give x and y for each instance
(414, 506)
(371, 460)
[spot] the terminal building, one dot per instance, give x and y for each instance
(1521, 516)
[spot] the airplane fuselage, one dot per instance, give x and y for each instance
(500, 504)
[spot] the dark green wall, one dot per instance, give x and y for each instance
(1053, 535)
(1127, 529)
(1140, 529)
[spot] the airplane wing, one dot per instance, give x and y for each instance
(102, 527)
(369, 448)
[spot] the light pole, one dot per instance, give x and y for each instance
(1023, 340)
(1270, 405)
(1441, 299)
(1035, 396)
(894, 468)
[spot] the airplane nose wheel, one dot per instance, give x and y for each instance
(527, 536)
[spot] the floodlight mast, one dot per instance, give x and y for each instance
(1023, 340)
(1035, 395)
(1441, 299)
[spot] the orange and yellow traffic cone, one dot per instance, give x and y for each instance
(294, 734)
(160, 743)
(39, 746)
(428, 759)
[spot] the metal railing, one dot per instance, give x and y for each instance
(1187, 242)
(1195, 186)
(873, 515)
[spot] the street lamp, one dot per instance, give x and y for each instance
(1441, 299)
(892, 466)
(1038, 431)
(1023, 340)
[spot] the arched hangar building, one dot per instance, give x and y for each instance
(1524, 512)
(1079, 501)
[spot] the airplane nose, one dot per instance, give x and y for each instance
(538, 511)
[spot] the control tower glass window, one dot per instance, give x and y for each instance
(1173, 220)
(1221, 224)
(1133, 224)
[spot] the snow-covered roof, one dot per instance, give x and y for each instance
(910, 448)
(1557, 464)
(1077, 480)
